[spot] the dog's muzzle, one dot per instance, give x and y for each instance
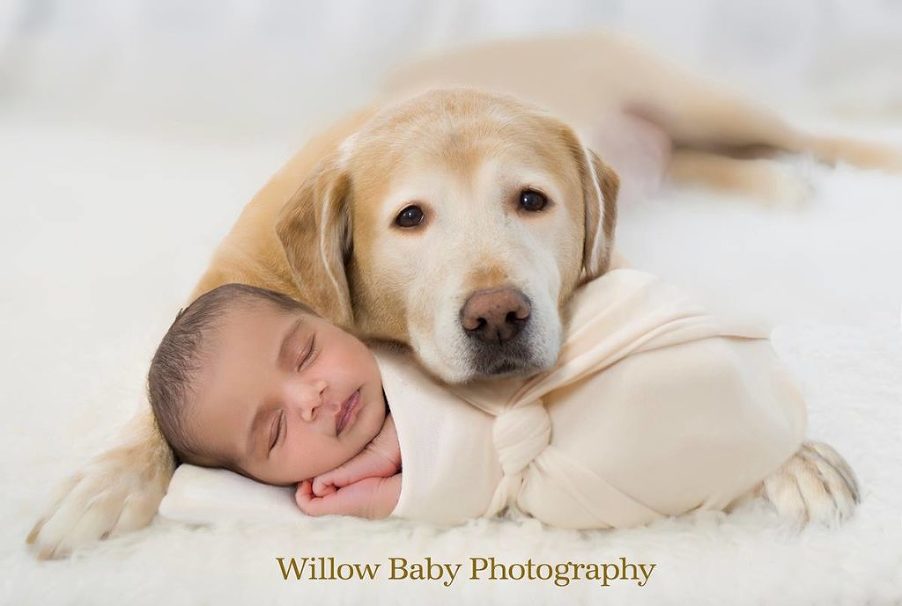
(496, 322)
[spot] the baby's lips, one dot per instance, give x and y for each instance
(336, 416)
(344, 411)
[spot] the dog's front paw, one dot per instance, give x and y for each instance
(118, 492)
(815, 485)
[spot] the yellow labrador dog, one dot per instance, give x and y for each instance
(458, 222)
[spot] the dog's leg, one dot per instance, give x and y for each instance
(814, 485)
(762, 178)
(118, 492)
(698, 115)
(863, 154)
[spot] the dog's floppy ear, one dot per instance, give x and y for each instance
(315, 230)
(600, 187)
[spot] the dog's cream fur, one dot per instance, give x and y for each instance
(321, 229)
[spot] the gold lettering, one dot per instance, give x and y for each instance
(292, 567)
(646, 574)
(606, 576)
(398, 564)
(483, 564)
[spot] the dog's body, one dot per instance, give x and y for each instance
(458, 223)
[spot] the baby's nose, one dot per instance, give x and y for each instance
(309, 398)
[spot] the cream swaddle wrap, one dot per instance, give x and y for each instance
(654, 408)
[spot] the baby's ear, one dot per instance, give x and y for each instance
(315, 231)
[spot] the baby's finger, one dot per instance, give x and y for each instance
(318, 486)
(313, 507)
(325, 490)
(311, 504)
(303, 494)
(323, 486)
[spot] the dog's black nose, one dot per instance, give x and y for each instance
(495, 315)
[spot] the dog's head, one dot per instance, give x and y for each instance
(457, 222)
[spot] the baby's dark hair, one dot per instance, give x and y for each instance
(177, 360)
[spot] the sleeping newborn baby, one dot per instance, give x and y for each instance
(654, 408)
(250, 380)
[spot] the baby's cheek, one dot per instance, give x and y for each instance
(379, 414)
(293, 464)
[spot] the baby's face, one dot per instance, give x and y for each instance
(284, 396)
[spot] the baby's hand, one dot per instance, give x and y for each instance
(327, 483)
(381, 458)
(371, 498)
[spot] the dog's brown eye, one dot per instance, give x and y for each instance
(532, 201)
(411, 216)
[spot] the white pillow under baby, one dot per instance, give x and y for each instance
(198, 495)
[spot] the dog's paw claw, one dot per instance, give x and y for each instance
(815, 485)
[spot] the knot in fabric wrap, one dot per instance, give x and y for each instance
(519, 435)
